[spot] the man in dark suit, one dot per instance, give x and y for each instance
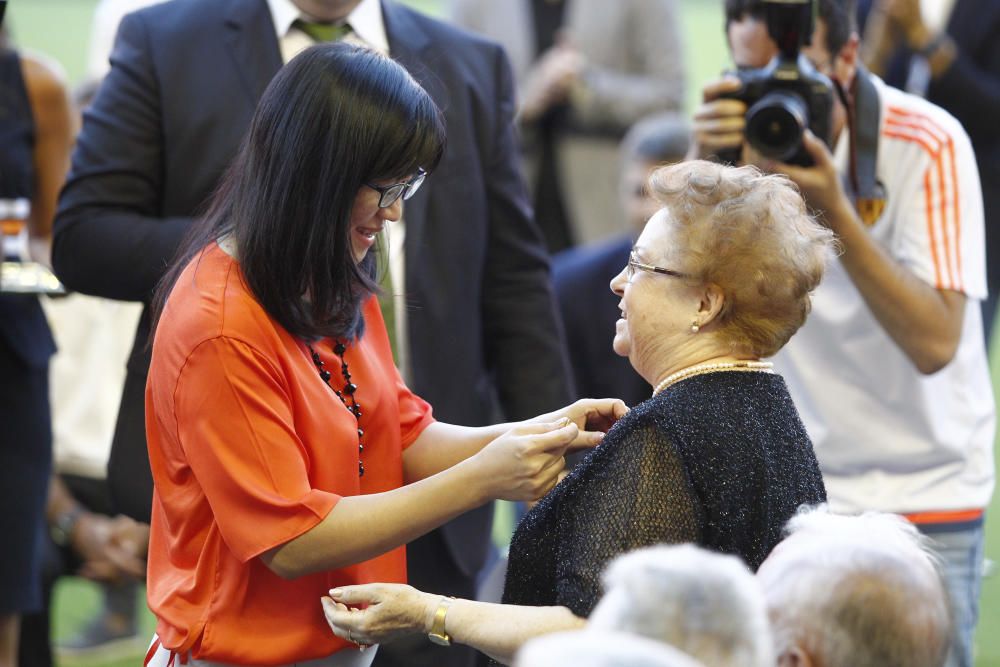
(481, 323)
(955, 63)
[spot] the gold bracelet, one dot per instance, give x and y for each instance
(438, 633)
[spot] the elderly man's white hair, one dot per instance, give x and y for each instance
(706, 604)
(600, 648)
(855, 591)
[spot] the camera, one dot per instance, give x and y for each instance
(787, 95)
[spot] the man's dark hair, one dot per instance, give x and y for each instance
(840, 17)
(336, 117)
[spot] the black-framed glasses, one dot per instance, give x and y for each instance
(635, 265)
(388, 194)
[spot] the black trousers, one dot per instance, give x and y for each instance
(25, 466)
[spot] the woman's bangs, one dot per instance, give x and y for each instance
(418, 143)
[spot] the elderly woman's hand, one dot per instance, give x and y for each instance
(375, 613)
(593, 416)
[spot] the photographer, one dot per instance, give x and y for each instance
(890, 371)
(949, 54)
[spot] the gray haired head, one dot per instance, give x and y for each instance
(659, 139)
(600, 648)
(856, 591)
(707, 604)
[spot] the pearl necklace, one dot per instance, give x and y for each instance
(701, 369)
(340, 349)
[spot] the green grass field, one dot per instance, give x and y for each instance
(59, 28)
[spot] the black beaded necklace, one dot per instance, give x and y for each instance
(350, 388)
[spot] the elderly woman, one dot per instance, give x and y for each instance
(288, 455)
(718, 280)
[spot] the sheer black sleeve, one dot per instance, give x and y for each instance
(640, 496)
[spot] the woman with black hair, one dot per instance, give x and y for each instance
(287, 454)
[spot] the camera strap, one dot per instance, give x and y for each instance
(864, 120)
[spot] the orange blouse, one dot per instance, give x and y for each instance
(250, 449)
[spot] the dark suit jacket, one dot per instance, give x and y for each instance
(184, 80)
(970, 90)
(582, 278)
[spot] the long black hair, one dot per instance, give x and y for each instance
(334, 118)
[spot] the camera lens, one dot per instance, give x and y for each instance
(774, 125)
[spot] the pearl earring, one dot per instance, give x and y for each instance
(695, 327)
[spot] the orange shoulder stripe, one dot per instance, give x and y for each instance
(915, 118)
(915, 129)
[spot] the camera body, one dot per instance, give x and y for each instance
(787, 95)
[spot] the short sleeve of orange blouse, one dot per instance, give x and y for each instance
(249, 448)
(237, 431)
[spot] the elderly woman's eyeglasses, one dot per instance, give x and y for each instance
(635, 265)
(388, 194)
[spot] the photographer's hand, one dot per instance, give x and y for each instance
(718, 122)
(925, 322)
(820, 184)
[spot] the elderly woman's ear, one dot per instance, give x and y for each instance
(709, 307)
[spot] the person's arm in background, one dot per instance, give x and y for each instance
(54, 129)
(880, 42)
(110, 240)
(966, 85)
(612, 97)
(923, 319)
(522, 330)
(111, 549)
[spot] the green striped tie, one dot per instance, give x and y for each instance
(386, 300)
(323, 32)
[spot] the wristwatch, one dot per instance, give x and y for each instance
(437, 633)
(61, 529)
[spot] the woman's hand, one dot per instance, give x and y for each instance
(593, 416)
(524, 463)
(374, 613)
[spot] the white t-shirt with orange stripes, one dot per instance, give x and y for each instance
(888, 437)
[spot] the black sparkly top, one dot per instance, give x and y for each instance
(721, 460)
